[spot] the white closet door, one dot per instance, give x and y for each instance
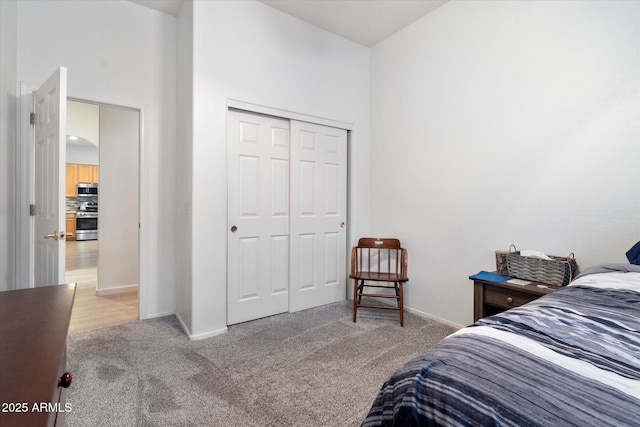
(318, 215)
(258, 216)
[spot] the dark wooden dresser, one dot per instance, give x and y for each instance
(33, 339)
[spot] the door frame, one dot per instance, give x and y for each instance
(25, 170)
(290, 115)
(139, 111)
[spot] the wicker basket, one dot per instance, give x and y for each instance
(559, 271)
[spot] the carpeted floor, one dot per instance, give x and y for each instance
(311, 368)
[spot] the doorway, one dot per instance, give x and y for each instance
(106, 139)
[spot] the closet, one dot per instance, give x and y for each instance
(287, 193)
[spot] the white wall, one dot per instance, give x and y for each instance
(118, 210)
(250, 52)
(83, 154)
(506, 122)
(184, 163)
(120, 53)
(83, 121)
(8, 92)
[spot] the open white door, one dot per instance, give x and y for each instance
(49, 179)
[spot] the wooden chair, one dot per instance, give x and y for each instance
(378, 261)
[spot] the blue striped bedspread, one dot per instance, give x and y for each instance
(570, 358)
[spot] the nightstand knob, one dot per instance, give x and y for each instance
(510, 300)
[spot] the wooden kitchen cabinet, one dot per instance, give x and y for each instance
(71, 180)
(70, 226)
(88, 173)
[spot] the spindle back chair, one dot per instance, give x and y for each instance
(383, 262)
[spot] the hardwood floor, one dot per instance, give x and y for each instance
(89, 310)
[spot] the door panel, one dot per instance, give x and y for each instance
(280, 195)
(258, 215)
(306, 261)
(50, 180)
(279, 265)
(249, 256)
(331, 189)
(318, 206)
(306, 181)
(249, 185)
(331, 257)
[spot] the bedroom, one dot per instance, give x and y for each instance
(530, 107)
(507, 122)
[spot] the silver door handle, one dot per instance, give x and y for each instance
(55, 235)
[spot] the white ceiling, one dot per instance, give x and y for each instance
(365, 22)
(170, 7)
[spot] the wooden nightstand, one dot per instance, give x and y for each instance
(491, 298)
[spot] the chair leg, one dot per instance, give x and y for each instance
(355, 299)
(400, 303)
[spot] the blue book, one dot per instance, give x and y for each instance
(489, 277)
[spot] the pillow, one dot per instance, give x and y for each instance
(633, 254)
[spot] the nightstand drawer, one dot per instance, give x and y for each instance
(506, 298)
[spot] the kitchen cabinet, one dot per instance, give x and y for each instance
(79, 173)
(71, 180)
(88, 173)
(70, 226)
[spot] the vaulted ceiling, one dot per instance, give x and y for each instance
(365, 22)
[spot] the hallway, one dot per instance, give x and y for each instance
(89, 310)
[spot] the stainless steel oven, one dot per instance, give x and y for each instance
(86, 225)
(87, 214)
(87, 219)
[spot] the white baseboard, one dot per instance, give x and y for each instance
(202, 336)
(208, 334)
(385, 301)
(432, 317)
(183, 325)
(116, 290)
(156, 315)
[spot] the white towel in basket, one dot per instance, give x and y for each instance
(535, 254)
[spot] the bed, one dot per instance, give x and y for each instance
(569, 358)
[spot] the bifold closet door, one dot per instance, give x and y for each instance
(258, 216)
(318, 215)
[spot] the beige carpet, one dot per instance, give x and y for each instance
(311, 368)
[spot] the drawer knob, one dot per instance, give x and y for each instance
(510, 300)
(65, 380)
